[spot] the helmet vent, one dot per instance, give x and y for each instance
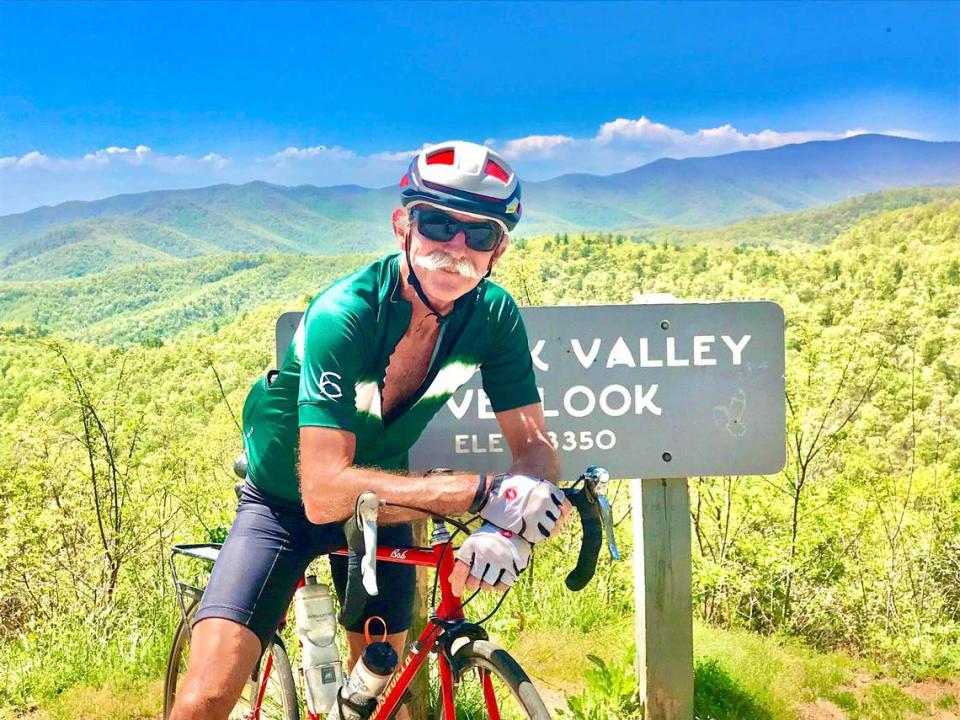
(496, 171)
(441, 157)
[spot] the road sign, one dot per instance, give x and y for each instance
(674, 390)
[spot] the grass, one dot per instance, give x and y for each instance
(74, 670)
(738, 676)
(947, 702)
(886, 702)
(754, 671)
(116, 700)
(44, 667)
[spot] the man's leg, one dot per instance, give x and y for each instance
(245, 599)
(357, 644)
(394, 603)
(223, 654)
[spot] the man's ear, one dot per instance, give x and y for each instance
(401, 221)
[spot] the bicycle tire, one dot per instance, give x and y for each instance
(506, 673)
(281, 704)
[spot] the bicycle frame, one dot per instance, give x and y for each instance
(450, 609)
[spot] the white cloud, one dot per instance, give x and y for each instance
(292, 154)
(36, 178)
(642, 130)
(404, 156)
(706, 140)
(34, 159)
(113, 153)
(215, 160)
(540, 145)
(623, 144)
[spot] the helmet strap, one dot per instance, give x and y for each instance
(492, 256)
(415, 283)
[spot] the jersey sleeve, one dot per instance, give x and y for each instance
(330, 364)
(507, 371)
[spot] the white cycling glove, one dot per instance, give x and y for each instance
(494, 555)
(527, 506)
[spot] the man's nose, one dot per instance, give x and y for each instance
(458, 244)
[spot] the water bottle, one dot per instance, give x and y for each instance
(317, 629)
(366, 682)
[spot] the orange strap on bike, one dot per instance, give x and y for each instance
(366, 629)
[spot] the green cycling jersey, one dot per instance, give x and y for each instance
(333, 372)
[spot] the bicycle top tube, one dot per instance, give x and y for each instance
(421, 556)
(440, 557)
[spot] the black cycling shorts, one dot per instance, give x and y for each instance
(266, 553)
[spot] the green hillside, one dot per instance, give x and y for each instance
(853, 547)
(162, 300)
(94, 252)
(252, 218)
(809, 227)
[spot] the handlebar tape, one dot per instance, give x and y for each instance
(355, 596)
(589, 511)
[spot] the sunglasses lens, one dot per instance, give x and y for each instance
(440, 227)
(482, 237)
(437, 226)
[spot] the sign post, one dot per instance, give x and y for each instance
(669, 391)
(661, 592)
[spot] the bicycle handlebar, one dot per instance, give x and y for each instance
(584, 499)
(589, 498)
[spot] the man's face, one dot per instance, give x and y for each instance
(448, 270)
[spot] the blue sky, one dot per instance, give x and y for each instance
(100, 98)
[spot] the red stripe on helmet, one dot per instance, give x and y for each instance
(441, 157)
(498, 172)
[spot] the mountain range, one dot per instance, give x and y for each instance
(162, 301)
(78, 238)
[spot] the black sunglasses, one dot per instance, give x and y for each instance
(436, 225)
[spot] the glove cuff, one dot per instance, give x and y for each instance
(480, 497)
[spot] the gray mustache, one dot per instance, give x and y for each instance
(439, 260)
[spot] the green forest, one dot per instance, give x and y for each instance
(120, 397)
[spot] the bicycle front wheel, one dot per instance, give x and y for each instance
(493, 685)
(279, 699)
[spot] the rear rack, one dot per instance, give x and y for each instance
(208, 552)
(203, 551)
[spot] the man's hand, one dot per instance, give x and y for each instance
(529, 507)
(490, 559)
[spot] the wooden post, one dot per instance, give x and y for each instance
(419, 706)
(662, 597)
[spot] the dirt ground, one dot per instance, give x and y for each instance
(928, 691)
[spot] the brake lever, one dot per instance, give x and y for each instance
(606, 518)
(367, 512)
(601, 480)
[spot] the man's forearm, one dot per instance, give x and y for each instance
(538, 460)
(334, 499)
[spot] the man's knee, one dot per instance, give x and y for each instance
(223, 654)
(205, 702)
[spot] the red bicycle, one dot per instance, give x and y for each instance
(477, 679)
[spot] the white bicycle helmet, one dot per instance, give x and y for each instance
(466, 177)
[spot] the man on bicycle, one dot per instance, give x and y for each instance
(376, 355)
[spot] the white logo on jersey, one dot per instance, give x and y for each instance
(328, 387)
